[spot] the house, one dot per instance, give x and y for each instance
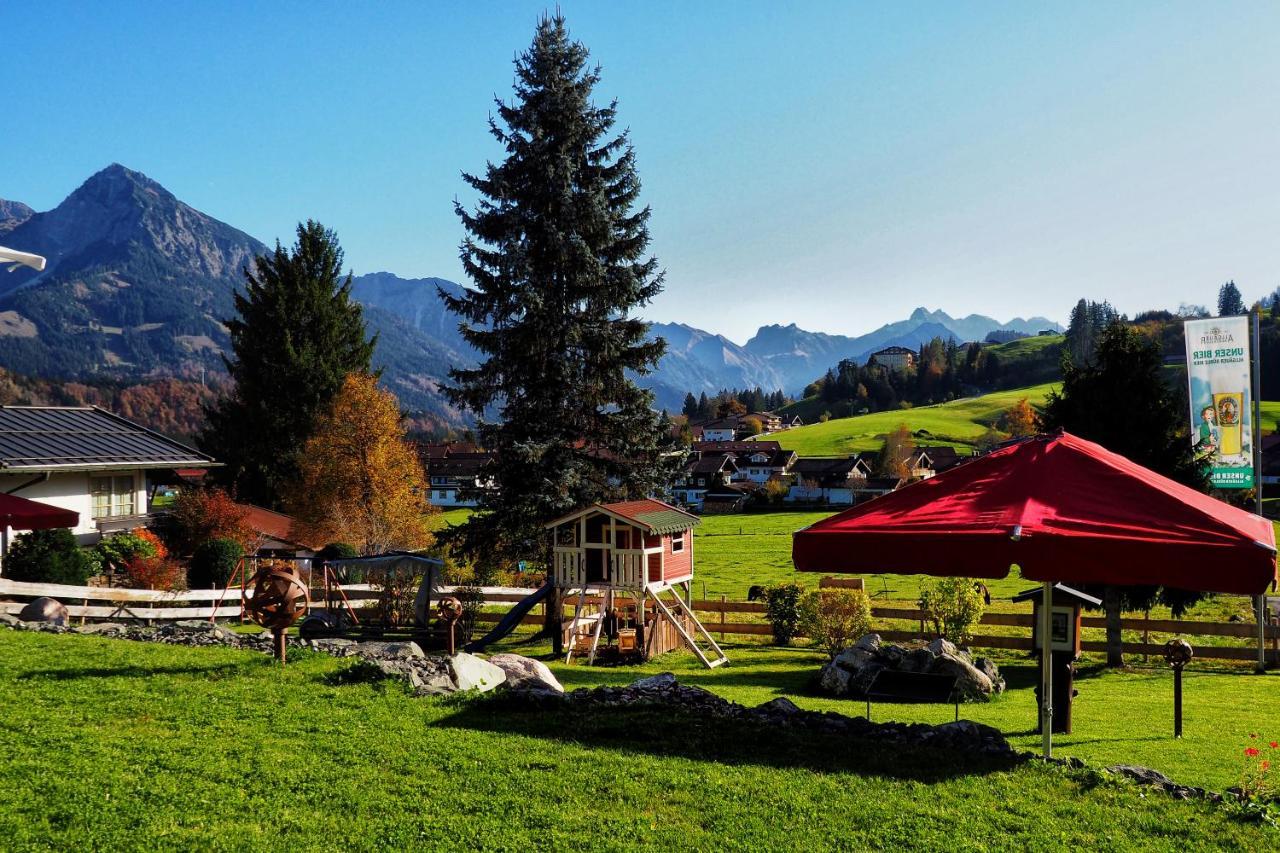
(757, 461)
(92, 462)
(721, 429)
(790, 422)
(728, 498)
(276, 536)
(629, 554)
(700, 474)
(827, 481)
(874, 487)
(456, 477)
(894, 358)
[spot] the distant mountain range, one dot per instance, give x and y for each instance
(138, 282)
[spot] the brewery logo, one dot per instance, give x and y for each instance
(1217, 336)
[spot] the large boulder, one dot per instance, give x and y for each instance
(527, 674)
(45, 610)
(440, 674)
(473, 673)
(971, 683)
(375, 650)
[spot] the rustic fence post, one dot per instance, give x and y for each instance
(723, 600)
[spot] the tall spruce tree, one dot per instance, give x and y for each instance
(556, 250)
(1123, 402)
(296, 336)
(1230, 303)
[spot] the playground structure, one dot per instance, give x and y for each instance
(624, 565)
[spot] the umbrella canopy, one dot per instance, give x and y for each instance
(1062, 509)
(16, 258)
(22, 514)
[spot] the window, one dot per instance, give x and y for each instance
(112, 497)
(677, 542)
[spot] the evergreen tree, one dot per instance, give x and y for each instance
(706, 409)
(296, 337)
(556, 251)
(1230, 303)
(690, 408)
(1123, 403)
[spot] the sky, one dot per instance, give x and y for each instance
(832, 165)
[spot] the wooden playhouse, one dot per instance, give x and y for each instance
(623, 566)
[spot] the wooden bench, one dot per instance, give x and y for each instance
(925, 688)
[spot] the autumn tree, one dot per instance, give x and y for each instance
(895, 455)
(296, 334)
(199, 515)
(1021, 419)
(359, 479)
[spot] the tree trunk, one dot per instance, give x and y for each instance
(1111, 603)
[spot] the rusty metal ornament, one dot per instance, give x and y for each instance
(279, 599)
(450, 611)
(1178, 653)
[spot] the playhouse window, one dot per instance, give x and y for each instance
(677, 542)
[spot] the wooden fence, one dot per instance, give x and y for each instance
(101, 603)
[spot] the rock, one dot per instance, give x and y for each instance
(526, 673)
(655, 682)
(942, 646)
(473, 673)
(45, 610)
(917, 660)
(1141, 775)
(109, 628)
(375, 651)
(781, 706)
(192, 624)
(854, 658)
(868, 642)
(987, 667)
(337, 646)
(835, 679)
(971, 683)
(9, 619)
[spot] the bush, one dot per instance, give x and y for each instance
(782, 607)
(214, 562)
(114, 553)
(835, 618)
(337, 551)
(954, 605)
(472, 600)
(156, 573)
(199, 515)
(48, 556)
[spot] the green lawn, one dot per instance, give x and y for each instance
(110, 744)
(959, 423)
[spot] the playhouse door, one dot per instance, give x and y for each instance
(597, 563)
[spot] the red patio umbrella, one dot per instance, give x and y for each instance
(23, 514)
(1062, 509)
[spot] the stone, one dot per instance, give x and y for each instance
(473, 673)
(987, 667)
(869, 642)
(101, 628)
(338, 646)
(971, 683)
(9, 619)
(655, 682)
(854, 658)
(375, 650)
(526, 673)
(1142, 775)
(835, 680)
(782, 706)
(942, 646)
(192, 624)
(45, 610)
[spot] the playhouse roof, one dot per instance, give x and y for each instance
(653, 515)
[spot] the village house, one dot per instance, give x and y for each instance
(457, 477)
(894, 358)
(699, 475)
(827, 481)
(92, 462)
(721, 429)
(758, 461)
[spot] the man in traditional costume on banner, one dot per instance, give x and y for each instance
(1208, 443)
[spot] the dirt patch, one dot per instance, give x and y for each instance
(14, 325)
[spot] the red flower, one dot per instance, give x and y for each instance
(1274, 744)
(1265, 765)
(1251, 751)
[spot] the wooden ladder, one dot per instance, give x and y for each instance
(718, 656)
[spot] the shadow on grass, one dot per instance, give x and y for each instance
(699, 736)
(130, 671)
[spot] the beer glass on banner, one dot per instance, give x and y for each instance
(1229, 406)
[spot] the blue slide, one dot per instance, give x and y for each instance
(511, 620)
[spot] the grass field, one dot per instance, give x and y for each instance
(116, 745)
(958, 423)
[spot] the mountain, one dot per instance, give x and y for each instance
(13, 214)
(137, 284)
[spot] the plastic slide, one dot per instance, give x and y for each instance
(511, 620)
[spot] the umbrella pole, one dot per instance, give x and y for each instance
(1046, 669)
(4, 547)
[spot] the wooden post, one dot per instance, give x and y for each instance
(1046, 669)
(723, 600)
(552, 620)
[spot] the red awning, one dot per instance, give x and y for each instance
(22, 514)
(1062, 509)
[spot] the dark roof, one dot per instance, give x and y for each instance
(893, 350)
(656, 516)
(709, 447)
(880, 484)
(828, 472)
(459, 464)
(39, 438)
(944, 457)
(1059, 590)
(448, 448)
(709, 464)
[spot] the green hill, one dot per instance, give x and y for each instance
(959, 423)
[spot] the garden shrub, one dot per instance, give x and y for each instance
(472, 599)
(337, 551)
(199, 515)
(48, 556)
(834, 619)
(156, 573)
(397, 591)
(782, 608)
(954, 606)
(114, 552)
(214, 562)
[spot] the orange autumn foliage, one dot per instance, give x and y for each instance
(360, 481)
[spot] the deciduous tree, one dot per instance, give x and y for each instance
(895, 454)
(1021, 419)
(359, 480)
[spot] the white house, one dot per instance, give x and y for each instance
(89, 461)
(457, 476)
(827, 481)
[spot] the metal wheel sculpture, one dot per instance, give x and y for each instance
(450, 611)
(279, 599)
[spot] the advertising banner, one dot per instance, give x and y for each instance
(1220, 390)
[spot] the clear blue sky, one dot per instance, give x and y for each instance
(832, 165)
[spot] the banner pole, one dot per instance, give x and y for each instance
(1260, 604)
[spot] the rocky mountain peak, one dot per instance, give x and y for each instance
(13, 214)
